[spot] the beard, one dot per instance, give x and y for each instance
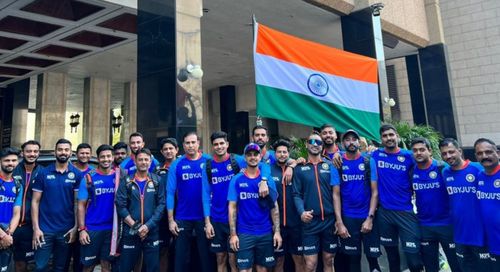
(62, 159)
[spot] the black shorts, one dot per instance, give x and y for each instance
(23, 249)
(352, 245)
(98, 249)
(220, 242)
(323, 237)
(441, 234)
(164, 233)
(399, 225)
(292, 241)
(256, 249)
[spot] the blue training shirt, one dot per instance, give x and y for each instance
(461, 186)
(56, 212)
(129, 165)
(488, 193)
(215, 190)
(10, 197)
(185, 185)
(355, 190)
(100, 194)
(392, 173)
(433, 208)
(252, 218)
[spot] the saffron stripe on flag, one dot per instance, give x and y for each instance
(315, 56)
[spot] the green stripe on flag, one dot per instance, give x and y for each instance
(292, 107)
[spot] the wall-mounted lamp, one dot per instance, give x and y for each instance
(116, 123)
(191, 70)
(389, 101)
(74, 121)
(376, 8)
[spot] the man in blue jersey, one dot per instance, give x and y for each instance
(53, 209)
(26, 171)
(11, 191)
(96, 197)
(312, 190)
(488, 193)
(120, 153)
(328, 136)
(136, 142)
(140, 202)
(290, 225)
(83, 154)
(184, 193)
(260, 137)
(355, 202)
(433, 208)
(253, 221)
(390, 168)
(461, 183)
(169, 150)
(216, 175)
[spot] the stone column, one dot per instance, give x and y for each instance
(188, 45)
(96, 111)
(50, 108)
(21, 94)
(129, 111)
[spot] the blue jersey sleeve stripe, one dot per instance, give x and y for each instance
(19, 197)
(172, 184)
(206, 191)
(373, 170)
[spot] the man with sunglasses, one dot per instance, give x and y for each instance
(312, 190)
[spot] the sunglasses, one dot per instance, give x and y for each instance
(314, 142)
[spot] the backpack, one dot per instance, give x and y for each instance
(234, 166)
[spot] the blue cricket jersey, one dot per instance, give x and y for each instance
(129, 165)
(215, 190)
(184, 185)
(252, 218)
(9, 198)
(100, 194)
(392, 173)
(56, 211)
(461, 186)
(355, 190)
(433, 208)
(488, 193)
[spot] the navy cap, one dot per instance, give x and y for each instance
(251, 147)
(350, 131)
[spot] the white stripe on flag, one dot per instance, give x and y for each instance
(354, 94)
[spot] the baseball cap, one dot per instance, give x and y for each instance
(351, 131)
(251, 147)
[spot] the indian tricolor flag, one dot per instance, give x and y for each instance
(312, 84)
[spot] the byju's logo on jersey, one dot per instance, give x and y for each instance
(432, 174)
(496, 183)
(470, 178)
(318, 85)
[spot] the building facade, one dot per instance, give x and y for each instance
(123, 66)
